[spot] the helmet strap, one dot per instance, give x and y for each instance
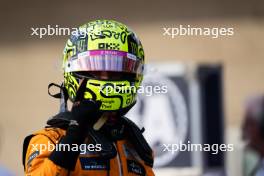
(62, 95)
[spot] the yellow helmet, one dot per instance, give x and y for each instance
(108, 46)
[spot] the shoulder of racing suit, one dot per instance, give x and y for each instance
(53, 134)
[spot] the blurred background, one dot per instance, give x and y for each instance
(29, 64)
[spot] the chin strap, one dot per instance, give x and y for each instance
(100, 122)
(62, 95)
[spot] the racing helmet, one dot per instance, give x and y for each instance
(104, 46)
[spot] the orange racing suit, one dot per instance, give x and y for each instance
(124, 161)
